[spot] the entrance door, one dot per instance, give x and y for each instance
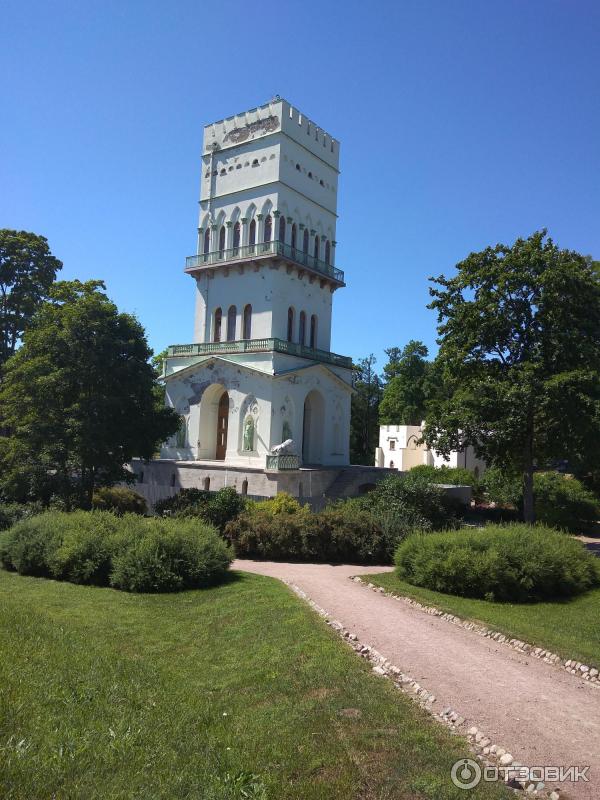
(222, 422)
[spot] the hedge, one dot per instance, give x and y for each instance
(517, 563)
(128, 552)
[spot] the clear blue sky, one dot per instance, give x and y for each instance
(462, 123)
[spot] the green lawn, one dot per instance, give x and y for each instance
(106, 695)
(568, 628)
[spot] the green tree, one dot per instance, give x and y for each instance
(519, 334)
(27, 271)
(78, 399)
(405, 393)
(364, 430)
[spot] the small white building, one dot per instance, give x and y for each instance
(399, 448)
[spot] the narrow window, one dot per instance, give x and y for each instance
(268, 229)
(247, 322)
(206, 484)
(290, 327)
(310, 174)
(217, 327)
(173, 479)
(392, 444)
(302, 329)
(231, 317)
(317, 246)
(236, 237)
(294, 236)
(244, 487)
(207, 241)
(281, 228)
(313, 331)
(141, 476)
(222, 240)
(298, 167)
(252, 235)
(391, 465)
(327, 251)
(305, 240)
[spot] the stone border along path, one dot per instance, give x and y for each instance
(500, 698)
(571, 665)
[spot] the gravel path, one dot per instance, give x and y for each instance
(537, 712)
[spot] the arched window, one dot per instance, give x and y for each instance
(317, 246)
(302, 329)
(222, 240)
(313, 330)
(231, 318)
(268, 229)
(327, 251)
(206, 248)
(217, 325)
(236, 237)
(206, 484)
(245, 487)
(294, 236)
(247, 332)
(290, 327)
(305, 241)
(252, 235)
(391, 465)
(173, 479)
(281, 229)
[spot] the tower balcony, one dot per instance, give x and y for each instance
(258, 346)
(254, 253)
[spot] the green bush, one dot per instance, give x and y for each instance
(119, 500)
(501, 487)
(168, 555)
(341, 532)
(454, 476)
(127, 552)
(282, 503)
(11, 513)
(85, 550)
(217, 508)
(518, 563)
(564, 502)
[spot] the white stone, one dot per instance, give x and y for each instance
(506, 759)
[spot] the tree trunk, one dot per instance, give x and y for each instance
(528, 504)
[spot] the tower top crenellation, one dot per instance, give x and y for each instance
(276, 116)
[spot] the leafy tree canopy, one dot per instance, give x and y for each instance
(78, 399)
(364, 430)
(405, 393)
(27, 271)
(519, 335)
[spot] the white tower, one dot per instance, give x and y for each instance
(260, 370)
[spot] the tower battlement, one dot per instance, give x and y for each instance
(276, 116)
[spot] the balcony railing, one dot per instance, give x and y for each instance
(274, 248)
(282, 461)
(259, 346)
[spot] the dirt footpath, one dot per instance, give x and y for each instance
(541, 714)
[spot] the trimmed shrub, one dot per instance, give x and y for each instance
(119, 500)
(564, 502)
(341, 532)
(282, 503)
(11, 513)
(85, 550)
(518, 563)
(168, 556)
(127, 552)
(216, 508)
(28, 546)
(454, 476)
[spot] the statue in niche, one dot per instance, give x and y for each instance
(249, 434)
(287, 431)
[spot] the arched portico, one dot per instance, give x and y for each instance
(312, 428)
(214, 423)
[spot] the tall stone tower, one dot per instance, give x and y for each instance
(260, 370)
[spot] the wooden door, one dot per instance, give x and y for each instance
(222, 422)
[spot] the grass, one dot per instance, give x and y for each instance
(569, 628)
(232, 692)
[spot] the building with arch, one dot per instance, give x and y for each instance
(260, 366)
